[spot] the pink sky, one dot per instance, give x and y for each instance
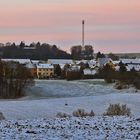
(110, 25)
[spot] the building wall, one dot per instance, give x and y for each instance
(45, 72)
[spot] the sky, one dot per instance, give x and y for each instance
(110, 25)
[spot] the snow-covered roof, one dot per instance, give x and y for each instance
(129, 67)
(45, 66)
(92, 62)
(117, 68)
(21, 61)
(74, 68)
(30, 65)
(60, 61)
(29, 48)
(103, 61)
(35, 61)
(130, 61)
(116, 62)
(88, 71)
(62, 66)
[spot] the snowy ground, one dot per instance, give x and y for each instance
(30, 109)
(96, 128)
(91, 94)
(63, 88)
(47, 98)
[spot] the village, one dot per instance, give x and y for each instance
(54, 68)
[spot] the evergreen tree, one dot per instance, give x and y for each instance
(122, 67)
(57, 70)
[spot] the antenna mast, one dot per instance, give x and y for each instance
(83, 34)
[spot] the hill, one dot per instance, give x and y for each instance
(34, 51)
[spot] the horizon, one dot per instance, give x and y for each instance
(110, 26)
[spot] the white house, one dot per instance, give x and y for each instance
(102, 61)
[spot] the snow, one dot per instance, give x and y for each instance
(45, 66)
(47, 98)
(130, 61)
(34, 116)
(34, 109)
(95, 128)
(21, 61)
(60, 61)
(88, 71)
(63, 88)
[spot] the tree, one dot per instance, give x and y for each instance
(108, 73)
(87, 65)
(14, 78)
(22, 44)
(133, 70)
(100, 55)
(57, 70)
(76, 52)
(113, 56)
(122, 67)
(38, 52)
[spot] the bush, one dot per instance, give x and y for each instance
(120, 85)
(2, 116)
(82, 113)
(62, 115)
(117, 110)
(137, 84)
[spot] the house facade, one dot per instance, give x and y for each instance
(45, 71)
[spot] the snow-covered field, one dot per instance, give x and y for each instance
(87, 94)
(62, 88)
(47, 98)
(48, 108)
(96, 128)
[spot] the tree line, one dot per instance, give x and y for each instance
(110, 75)
(34, 51)
(14, 78)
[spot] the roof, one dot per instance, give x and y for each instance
(92, 62)
(88, 71)
(35, 61)
(74, 68)
(60, 61)
(103, 61)
(30, 65)
(62, 66)
(129, 67)
(130, 61)
(45, 66)
(21, 61)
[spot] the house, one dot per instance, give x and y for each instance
(103, 61)
(111, 64)
(60, 61)
(45, 70)
(131, 64)
(32, 68)
(92, 63)
(129, 67)
(130, 61)
(89, 71)
(73, 73)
